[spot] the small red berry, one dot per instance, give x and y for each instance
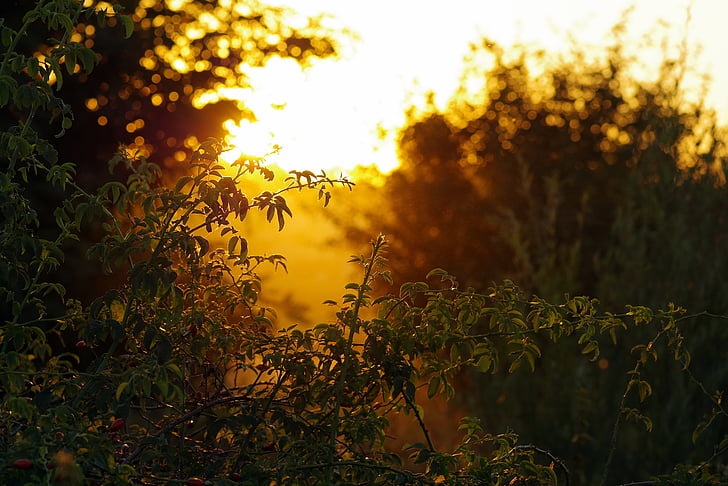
(261, 367)
(116, 425)
(195, 482)
(269, 447)
(235, 477)
(23, 464)
(50, 466)
(81, 344)
(59, 436)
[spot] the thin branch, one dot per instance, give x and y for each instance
(339, 390)
(411, 404)
(546, 453)
(182, 419)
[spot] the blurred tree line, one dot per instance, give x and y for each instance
(153, 92)
(573, 177)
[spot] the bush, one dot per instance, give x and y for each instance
(571, 177)
(178, 376)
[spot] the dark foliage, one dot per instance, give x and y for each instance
(572, 178)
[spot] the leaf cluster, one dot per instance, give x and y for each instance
(179, 375)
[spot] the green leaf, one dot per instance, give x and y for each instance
(552, 475)
(593, 348)
(232, 243)
(88, 59)
(65, 21)
(281, 221)
(70, 61)
(6, 36)
(176, 370)
(31, 16)
(128, 25)
(647, 422)
(8, 87)
(433, 386)
(203, 244)
(645, 390)
(57, 71)
(484, 364)
(438, 272)
(120, 389)
(33, 66)
(422, 456)
(183, 181)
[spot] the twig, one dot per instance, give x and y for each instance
(546, 453)
(184, 418)
(341, 380)
(411, 404)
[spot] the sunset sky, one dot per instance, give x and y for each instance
(405, 48)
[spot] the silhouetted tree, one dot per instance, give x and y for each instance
(141, 92)
(179, 51)
(535, 177)
(571, 178)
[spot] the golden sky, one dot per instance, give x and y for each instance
(333, 111)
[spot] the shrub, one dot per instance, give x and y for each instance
(178, 376)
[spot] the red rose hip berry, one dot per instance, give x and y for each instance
(23, 464)
(116, 425)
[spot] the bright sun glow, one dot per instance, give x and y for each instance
(310, 115)
(333, 114)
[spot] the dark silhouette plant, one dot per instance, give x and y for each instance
(179, 376)
(570, 176)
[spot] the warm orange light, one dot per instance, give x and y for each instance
(343, 113)
(309, 114)
(92, 104)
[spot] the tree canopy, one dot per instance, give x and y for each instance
(571, 177)
(145, 92)
(177, 78)
(544, 177)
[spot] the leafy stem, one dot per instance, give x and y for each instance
(352, 321)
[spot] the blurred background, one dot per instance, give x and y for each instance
(575, 148)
